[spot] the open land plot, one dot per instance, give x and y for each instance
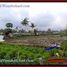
(38, 40)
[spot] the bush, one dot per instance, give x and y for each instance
(64, 46)
(20, 52)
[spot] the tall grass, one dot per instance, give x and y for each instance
(23, 52)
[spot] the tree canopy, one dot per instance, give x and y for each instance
(9, 25)
(25, 21)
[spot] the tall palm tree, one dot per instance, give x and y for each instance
(33, 26)
(25, 22)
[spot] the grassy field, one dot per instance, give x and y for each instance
(37, 40)
(28, 55)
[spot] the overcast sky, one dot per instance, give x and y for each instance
(44, 15)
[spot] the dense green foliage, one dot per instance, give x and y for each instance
(29, 55)
(9, 25)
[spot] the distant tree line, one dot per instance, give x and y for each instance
(25, 22)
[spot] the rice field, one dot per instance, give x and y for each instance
(21, 54)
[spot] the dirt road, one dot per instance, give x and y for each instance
(37, 40)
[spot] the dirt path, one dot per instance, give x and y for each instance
(37, 40)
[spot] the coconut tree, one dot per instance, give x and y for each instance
(34, 30)
(32, 25)
(25, 22)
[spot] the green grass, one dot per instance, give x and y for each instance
(64, 46)
(10, 51)
(22, 52)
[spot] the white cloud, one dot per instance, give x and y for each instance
(44, 15)
(55, 9)
(12, 14)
